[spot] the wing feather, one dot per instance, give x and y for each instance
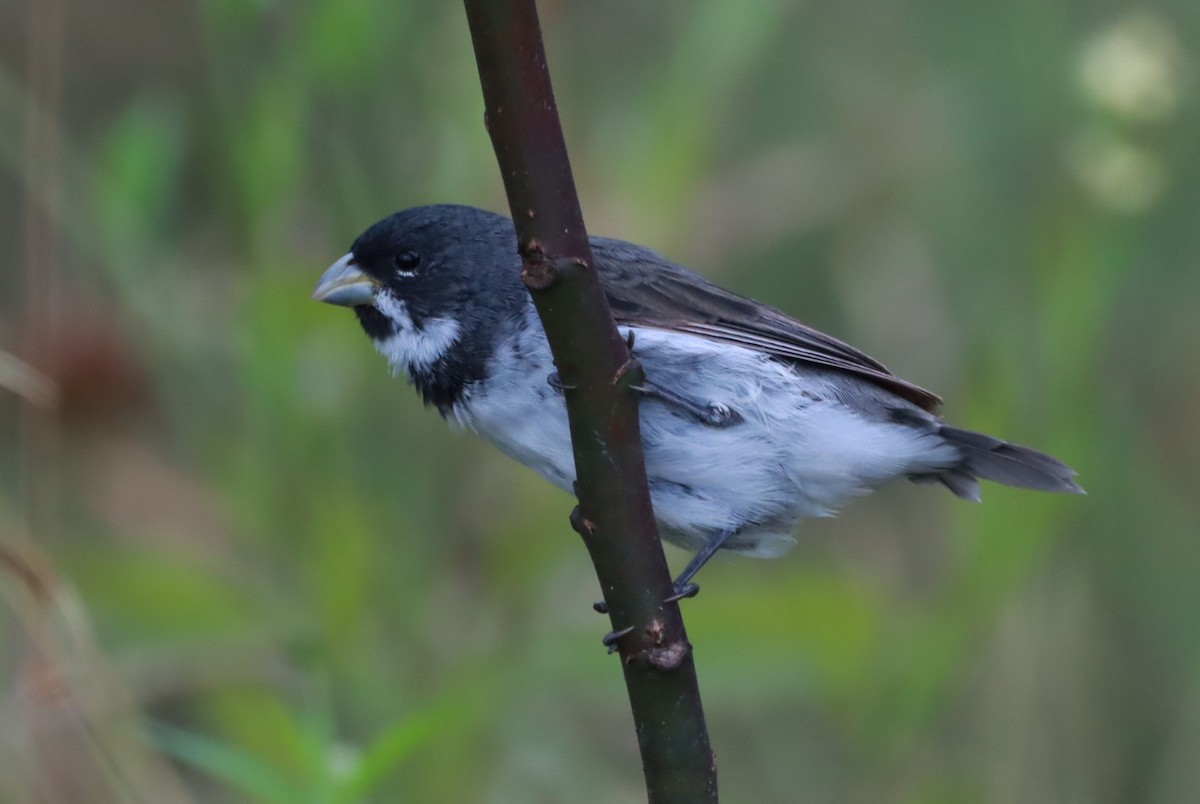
(645, 289)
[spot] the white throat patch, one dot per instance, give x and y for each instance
(410, 346)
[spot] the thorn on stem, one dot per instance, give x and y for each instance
(540, 272)
(582, 525)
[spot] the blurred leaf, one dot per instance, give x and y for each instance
(266, 137)
(136, 183)
(292, 734)
(717, 45)
(396, 744)
(239, 769)
(161, 596)
(346, 39)
(342, 570)
(825, 626)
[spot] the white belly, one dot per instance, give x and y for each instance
(798, 451)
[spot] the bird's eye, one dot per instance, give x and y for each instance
(407, 261)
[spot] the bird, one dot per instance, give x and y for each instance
(751, 420)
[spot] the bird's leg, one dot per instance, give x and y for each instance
(683, 586)
(714, 415)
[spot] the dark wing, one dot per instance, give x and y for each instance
(644, 289)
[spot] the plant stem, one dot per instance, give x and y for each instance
(614, 516)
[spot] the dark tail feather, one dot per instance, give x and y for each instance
(997, 460)
(960, 481)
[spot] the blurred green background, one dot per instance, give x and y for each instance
(239, 562)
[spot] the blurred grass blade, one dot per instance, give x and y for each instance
(25, 381)
(237, 768)
(396, 744)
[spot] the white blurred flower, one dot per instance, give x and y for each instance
(344, 760)
(1118, 174)
(1134, 69)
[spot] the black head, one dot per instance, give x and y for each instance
(431, 287)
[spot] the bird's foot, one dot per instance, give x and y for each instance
(713, 414)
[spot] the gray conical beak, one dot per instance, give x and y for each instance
(346, 285)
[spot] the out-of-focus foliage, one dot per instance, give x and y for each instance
(238, 561)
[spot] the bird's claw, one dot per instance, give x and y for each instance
(555, 382)
(613, 637)
(683, 591)
(721, 415)
(600, 607)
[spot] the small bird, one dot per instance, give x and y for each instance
(750, 420)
